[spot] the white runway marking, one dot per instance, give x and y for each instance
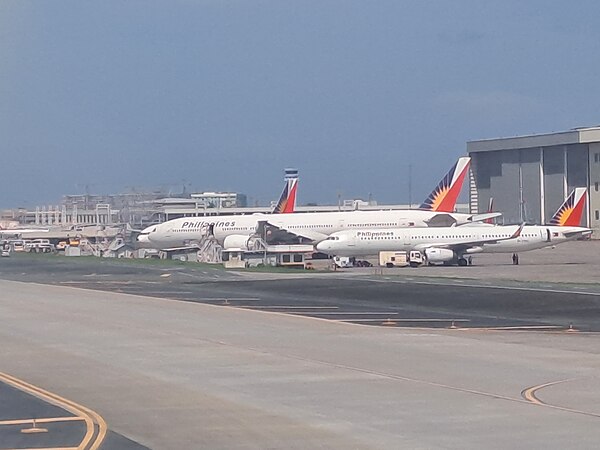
(286, 307)
(165, 292)
(482, 286)
(339, 313)
(395, 319)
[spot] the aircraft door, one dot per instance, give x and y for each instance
(352, 240)
(548, 235)
(406, 238)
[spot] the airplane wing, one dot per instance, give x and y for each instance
(468, 243)
(448, 220)
(281, 234)
(184, 247)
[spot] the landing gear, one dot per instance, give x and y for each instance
(462, 262)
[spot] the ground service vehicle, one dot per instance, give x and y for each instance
(393, 259)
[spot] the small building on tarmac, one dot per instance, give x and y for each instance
(273, 255)
(529, 177)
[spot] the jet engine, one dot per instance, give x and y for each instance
(438, 255)
(239, 242)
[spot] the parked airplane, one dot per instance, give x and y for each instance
(235, 231)
(285, 205)
(451, 244)
(18, 232)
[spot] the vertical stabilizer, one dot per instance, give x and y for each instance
(490, 210)
(443, 198)
(287, 201)
(570, 212)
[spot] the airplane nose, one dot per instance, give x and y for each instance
(143, 240)
(323, 247)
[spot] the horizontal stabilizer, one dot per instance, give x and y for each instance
(583, 232)
(485, 217)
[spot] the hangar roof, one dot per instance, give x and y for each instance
(574, 136)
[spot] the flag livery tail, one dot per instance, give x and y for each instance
(443, 198)
(287, 201)
(570, 212)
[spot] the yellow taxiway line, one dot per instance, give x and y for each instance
(41, 420)
(529, 393)
(45, 448)
(81, 412)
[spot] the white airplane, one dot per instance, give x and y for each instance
(449, 245)
(18, 232)
(285, 205)
(236, 231)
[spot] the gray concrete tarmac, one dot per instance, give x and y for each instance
(172, 375)
(179, 356)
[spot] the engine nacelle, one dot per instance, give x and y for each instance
(435, 255)
(237, 242)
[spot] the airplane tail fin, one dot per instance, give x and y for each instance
(570, 212)
(287, 201)
(490, 210)
(443, 198)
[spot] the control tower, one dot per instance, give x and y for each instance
(290, 174)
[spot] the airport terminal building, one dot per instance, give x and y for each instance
(530, 176)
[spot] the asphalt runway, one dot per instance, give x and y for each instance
(358, 298)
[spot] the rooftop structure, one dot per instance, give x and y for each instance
(529, 177)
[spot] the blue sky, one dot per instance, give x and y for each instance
(224, 94)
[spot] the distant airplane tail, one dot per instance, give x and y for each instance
(287, 201)
(443, 198)
(490, 210)
(570, 212)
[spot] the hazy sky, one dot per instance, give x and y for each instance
(226, 93)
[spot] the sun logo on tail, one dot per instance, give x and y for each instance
(287, 201)
(570, 212)
(443, 198)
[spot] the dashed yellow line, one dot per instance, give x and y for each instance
(81, 412)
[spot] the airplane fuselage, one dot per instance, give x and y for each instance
(178, 232)
(371, 242)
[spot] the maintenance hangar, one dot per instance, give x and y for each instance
(529, 177)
